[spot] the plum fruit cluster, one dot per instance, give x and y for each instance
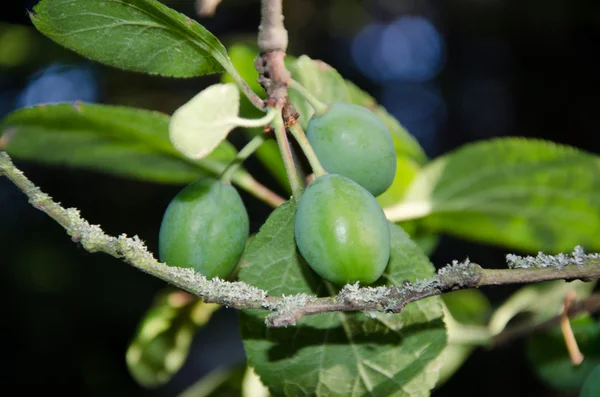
(340, 228)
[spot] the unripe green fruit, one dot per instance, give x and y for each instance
(205, 227)
(341, 231)
(352, 141)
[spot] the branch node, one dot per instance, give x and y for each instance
(459, 275)
(273, 76)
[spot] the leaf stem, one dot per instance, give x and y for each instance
(319, 106)
(253, 123)
(257, 189)
(309, 152)
(286, 155)
(244, 87)
(468, 334)
(242, 155)
(242, 179)
(589, 305)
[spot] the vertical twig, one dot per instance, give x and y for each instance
(272, 35)
(567, 331)
(272, 43)
(274, 78)
(308, 150)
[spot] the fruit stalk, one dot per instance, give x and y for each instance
(257, 189)
(242, 155)
(255, 123)
(309, 152)
(320, 107)
(286, 155)
(245, 88)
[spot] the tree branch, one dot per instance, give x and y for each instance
(274, 78)
(459, 275)
(272, 43)
(288, 310)
(272, 35)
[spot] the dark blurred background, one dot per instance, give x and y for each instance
(452, 72)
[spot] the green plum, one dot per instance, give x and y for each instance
(341, 231)
(205, 227)
(352, 141)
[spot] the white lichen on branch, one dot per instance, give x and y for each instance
(288, 310)
(577, 257)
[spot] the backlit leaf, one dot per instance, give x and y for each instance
(339, 354)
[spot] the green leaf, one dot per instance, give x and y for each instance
(137, 35)
(242, 57)
(428, 242)
(162, 341)
(118, 140)
(591, 386)
(406, 170)
(451, 360)
(237, 381)
(323, 81)
(466, 313)
(200, 125)
(548, 354)
(541, 300)
(252, 386)
(524, 194)
(469, 306)
(406, 145)
(339, 354)
(221, 382)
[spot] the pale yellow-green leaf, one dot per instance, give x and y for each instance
(200, 125)
(162, 341)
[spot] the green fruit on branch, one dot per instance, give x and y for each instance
(341, 231)
(352, 141)
(205, 227)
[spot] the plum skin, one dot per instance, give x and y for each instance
(205, 227)
(350, 140)
(341, 231)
